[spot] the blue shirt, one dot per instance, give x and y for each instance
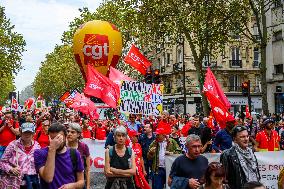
(223, 141)
(110, 140)
(134, 126)
(145, 142)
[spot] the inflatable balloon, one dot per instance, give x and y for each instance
(98, 43)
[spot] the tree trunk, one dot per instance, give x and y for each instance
(200, 77)
(263, 63)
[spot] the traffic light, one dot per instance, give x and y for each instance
(156, 77)
(148, 77)
(245, 88)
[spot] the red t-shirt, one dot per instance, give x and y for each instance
(101, 133)
(86, 133)
(268, 143)
(7, 136)
(42, 138)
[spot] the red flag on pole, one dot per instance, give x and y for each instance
(219, 110)
(101, 87)
(29, 103)
(211, 85)
(116, 76)
(247, 112)
(137, 60)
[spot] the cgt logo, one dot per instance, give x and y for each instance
(99, 162)
(96, 49)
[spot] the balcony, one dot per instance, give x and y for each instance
(256, 37)
(206, 64)
(278, 76)
(177, 67)
(235, 88)
(235, 63)
(256, 64)
(163, 69)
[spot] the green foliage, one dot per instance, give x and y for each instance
(58, 73)
(12, 45)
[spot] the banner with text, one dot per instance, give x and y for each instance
(141, 98)
(270, 165)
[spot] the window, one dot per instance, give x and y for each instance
(256, 57)
(179, 56)
(277, 3)
(168, 59)
(163, 60)
(234, 83)
(206, 61)
(235, 59)
(255, 32)
(277, 36)
(278, 69)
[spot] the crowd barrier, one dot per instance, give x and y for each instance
(270, 163)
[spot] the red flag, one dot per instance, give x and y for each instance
(211, 85)
(14, 104)
(135, 59)
(210, 123)
(247, 112)
(219, 110)
(101, 87)
(29, 103)
(85, 105)
(68, 98)
(116, 76)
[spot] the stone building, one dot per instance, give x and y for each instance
(238, 62)
(275, 58)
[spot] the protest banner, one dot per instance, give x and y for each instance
(269, 163)
(97, 153)
(141, 98)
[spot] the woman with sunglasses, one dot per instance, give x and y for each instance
(215, 177)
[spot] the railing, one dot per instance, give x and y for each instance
(177, 67)
(235, 88)
(235, 63)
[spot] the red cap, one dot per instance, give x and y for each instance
(132, 133)
(163, 131)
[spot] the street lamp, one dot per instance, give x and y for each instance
(181, 42)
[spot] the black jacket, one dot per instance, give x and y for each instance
(234, 173)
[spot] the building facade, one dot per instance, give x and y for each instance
(238, 62)
(275, 58)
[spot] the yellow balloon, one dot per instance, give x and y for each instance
(98, 43)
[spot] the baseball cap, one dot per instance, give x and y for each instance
(28, 127)
(268, 120)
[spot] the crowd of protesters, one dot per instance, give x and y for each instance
(44, 150)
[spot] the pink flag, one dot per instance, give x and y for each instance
(85, 105)
(212, 86)
(101, 87)
(116, 76)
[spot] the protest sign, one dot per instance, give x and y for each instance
(141, 98)
(269, 164)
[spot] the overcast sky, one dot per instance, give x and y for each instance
(42, 23)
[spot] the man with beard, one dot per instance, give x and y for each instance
(59, 167)
(267, 139)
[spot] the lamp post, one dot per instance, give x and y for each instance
(184, 87)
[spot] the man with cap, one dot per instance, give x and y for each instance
(158, 149)
(239, 161)
(18, 159)
(9, 129)
(267, 139)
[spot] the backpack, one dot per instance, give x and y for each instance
(111, 151)
(74, 161)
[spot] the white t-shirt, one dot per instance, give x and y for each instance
(162, 153)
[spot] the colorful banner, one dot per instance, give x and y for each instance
(141, 98)
(269, 164)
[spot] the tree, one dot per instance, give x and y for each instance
(28, 92)
(59, 73)
(258, 10)
(12, 45)
(206, 25)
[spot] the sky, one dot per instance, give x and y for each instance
(42, 23)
